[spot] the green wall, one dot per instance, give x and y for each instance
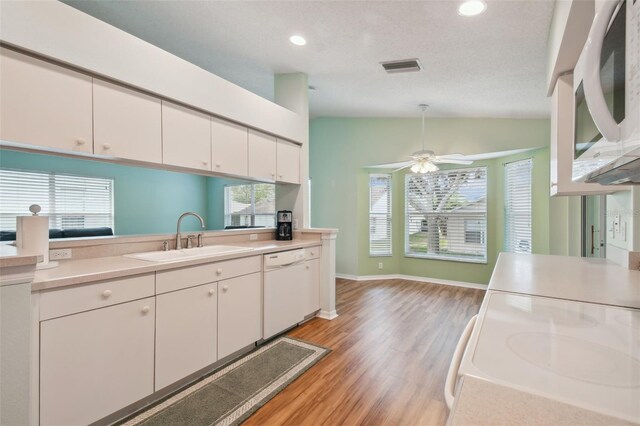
(146, 201)
(341, 148)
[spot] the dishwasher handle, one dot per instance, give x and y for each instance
(286, 265)
(454, 367)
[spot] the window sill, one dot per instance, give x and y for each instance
(448, 259)
(381, 255)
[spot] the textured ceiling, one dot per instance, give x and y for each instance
(492, 65)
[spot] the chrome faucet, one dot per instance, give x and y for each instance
(178, 235)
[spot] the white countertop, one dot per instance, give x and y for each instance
(12, 256)
(479, 402)
(564, 277)
(73, 272)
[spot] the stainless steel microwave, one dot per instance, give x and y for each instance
(607, 96)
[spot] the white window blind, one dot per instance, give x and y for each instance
(380, 215)
(517, 206)
(250, 205)
(71, 202)
(447, 215)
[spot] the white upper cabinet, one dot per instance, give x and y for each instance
(262, 156)
(229, 145)
(186, 137)
(44, 104)
(288, 162)
(126, 123)
(562, 145)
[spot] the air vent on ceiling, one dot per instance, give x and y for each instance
(404, 65)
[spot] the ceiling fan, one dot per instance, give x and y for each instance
(424, 161)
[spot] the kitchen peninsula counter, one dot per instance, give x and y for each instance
(81, 271)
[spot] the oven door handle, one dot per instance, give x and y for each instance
(593, 93)
(454, 367)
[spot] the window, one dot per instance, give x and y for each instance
(447, 215)
(517, 206)
(250, 205)
(380, 215)
(69, 201)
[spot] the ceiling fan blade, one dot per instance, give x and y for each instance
(454, 156)
(401, 164)
(404, 167)
(440, 160)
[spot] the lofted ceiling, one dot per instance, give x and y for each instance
(492, 65)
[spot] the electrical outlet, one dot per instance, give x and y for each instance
(253, 237)
(60, 254)
(295, 223)
(380, 265)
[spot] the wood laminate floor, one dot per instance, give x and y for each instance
(392, 344)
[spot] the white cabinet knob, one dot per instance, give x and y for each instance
(308, 266)
(212, 292)
(80, 141)
(106, 146)
(106, 294)
(280, 176)
(204, 163)
(225, 288)
(273, 175)
(145, 309)
(218, 165)
(219, 271)
(313, 253)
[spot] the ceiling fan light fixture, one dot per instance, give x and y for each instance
(424, 166)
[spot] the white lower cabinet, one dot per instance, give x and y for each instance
(239, 313)
(186, 332)
(96, 362)
(311, 292)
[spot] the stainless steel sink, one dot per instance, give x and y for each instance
(185, 254)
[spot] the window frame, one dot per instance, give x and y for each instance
(388, 215)
(54, 209)
(469, 216)
(253, 215)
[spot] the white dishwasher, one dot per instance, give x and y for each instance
(284, 275)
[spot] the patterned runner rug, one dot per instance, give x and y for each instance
(230, 395)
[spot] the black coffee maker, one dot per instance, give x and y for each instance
(284, 229)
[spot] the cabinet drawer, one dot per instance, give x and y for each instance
(177, 279)
(312, 252)
(67, 301)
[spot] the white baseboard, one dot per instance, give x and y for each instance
(328, 315)
(411, 278)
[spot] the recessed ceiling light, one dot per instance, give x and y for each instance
(472, 7)
(297, 40)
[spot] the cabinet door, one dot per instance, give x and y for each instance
(126, 123)
(186, 137)
(288, 162)
(186, 328)
(95, 363)
(311, 298)
(44, 104)
(239, 313)
(229, 145)
(262, 156)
